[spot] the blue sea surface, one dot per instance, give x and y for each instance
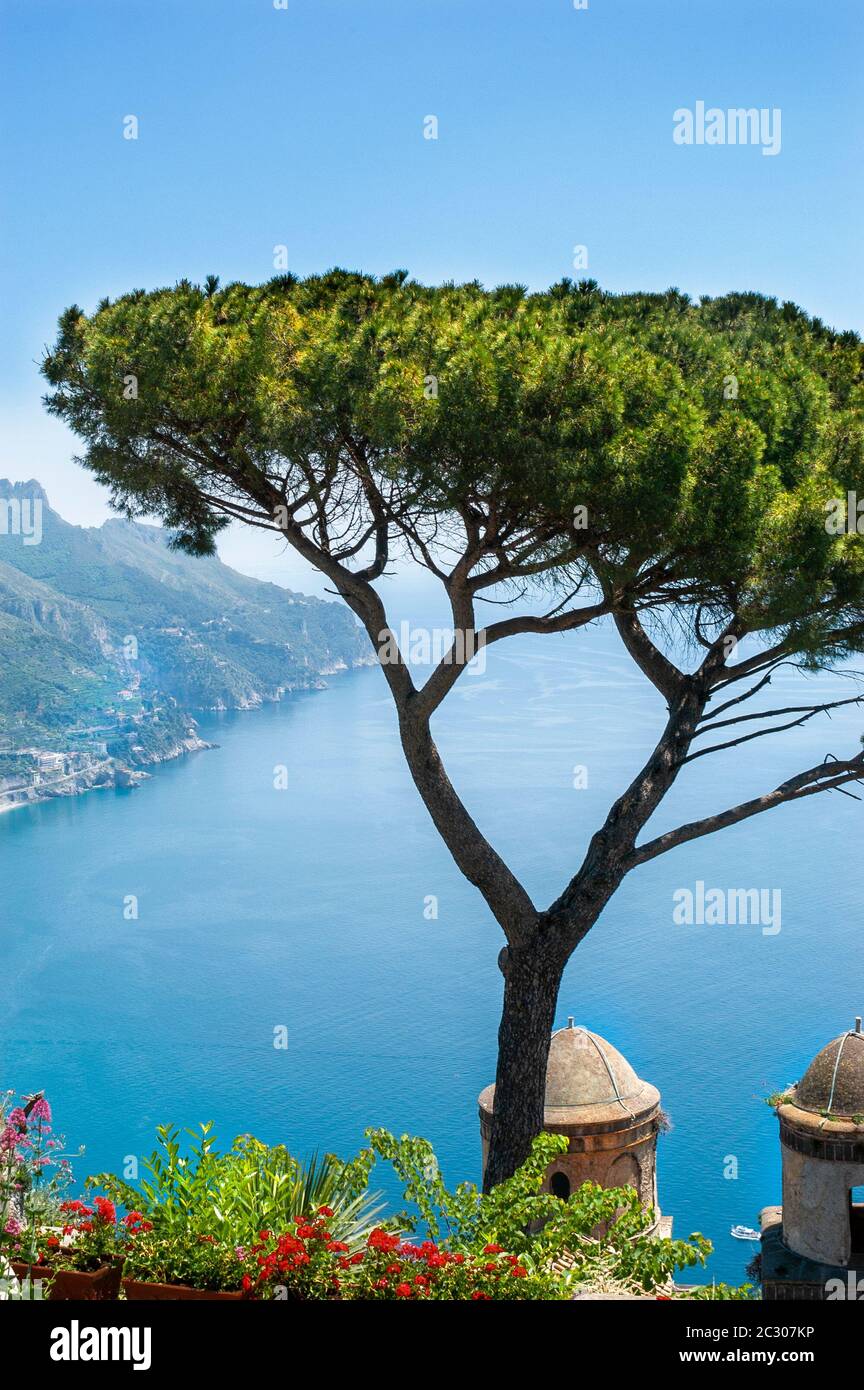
(303, 909)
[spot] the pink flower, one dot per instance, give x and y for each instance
(17, 1117)
(13, 1226)
(41, 1110)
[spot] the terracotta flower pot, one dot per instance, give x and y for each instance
(75, 1285)
(138, 1291)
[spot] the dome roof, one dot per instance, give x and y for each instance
(588, 1082)
(833, 1084)
(584, 1069)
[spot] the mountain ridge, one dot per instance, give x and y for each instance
(111, 641)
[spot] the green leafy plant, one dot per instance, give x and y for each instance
(711, 1293)
(778, 1098)
(181, 1257)
(179, 1185)
(233, 1195)
(253, 1219)
(595, 1227)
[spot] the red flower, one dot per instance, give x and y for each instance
(381, 1284)
(403, 1290)
(518, 1272)
(247, 1283)
(421, 1280)
(289, 1246)
(381, 1240)
(492, 1249)
(134, 1222)
(478, 1293)
(105, 1211)
(325, 1211)
(263, 1235)
(52, 1242)
(490, 1268)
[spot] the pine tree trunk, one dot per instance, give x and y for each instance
(531, 982)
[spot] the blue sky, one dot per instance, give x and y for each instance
(304, 127)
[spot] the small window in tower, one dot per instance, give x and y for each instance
(560, 1185)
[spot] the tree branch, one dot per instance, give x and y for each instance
(476, 858)
(461, 652)
(809, 712)
(607, 859)
(747, 694)
(651, 662)
(827, 776)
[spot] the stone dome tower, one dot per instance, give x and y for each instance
(818, 1232)
(610, 1117)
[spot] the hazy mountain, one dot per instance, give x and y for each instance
(107, 626)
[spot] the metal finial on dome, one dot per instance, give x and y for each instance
(570, 1020)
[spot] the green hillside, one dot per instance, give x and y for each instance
(100, 626)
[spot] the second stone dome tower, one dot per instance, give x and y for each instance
(822, 1147)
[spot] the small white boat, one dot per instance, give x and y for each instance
(745, 1233)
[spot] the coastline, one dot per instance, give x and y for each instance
(118, 775)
